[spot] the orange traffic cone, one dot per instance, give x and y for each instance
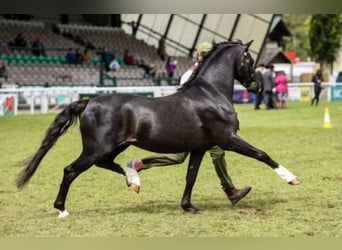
(327, 122)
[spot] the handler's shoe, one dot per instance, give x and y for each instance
(235, 195)
(132, 176)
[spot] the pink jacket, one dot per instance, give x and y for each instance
(281, 83)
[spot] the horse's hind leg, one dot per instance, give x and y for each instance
(70, 174)
(132, 177)
(110, 165)
(107, 161)
(238, 145)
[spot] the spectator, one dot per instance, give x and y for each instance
(78, 56)
(70, 56)
(281, 88)
(3, 73)
(149, 70)
(107, 57)
(38, 48)
(259, 96)
(114, 65)
(268, 84)
(128, 58)
(87, 57)
(170, 68)
(317, 79)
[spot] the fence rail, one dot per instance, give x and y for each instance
(47, 99)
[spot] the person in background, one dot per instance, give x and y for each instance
(114, 65)
(128, 58)
(259, 96)
(87, 57)
(268, 87)
(149, 69)
(281, 88)
(317, 79)
(217, 154)
(79, 56)
(70, 56)
(107, 57)
(170, 68)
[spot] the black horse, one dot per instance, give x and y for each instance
(197, 117)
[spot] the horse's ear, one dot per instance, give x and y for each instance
(249, 44)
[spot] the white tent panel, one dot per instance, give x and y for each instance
(183, 33)
(253, 27)
(184, 29)
(196, 18)
(220, 23)
(128, 18)
(151, 24)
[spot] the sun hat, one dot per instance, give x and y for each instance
(204, 47)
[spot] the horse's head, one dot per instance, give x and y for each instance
(232, 54)
(245, 72)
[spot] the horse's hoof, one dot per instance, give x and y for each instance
(295, 182)
(135, 187)
(62, 214)
(191, 210)
(132, 179)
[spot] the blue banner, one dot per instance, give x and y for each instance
(336, 93)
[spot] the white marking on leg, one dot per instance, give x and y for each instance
(284, 173)
(132, 176)
(62, 214)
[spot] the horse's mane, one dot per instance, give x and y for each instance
(216, 48)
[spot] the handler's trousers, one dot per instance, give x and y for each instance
(217, 156)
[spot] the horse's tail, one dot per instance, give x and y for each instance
(60, 125)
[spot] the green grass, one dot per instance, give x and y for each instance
(100, 204)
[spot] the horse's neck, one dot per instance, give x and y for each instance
(219, 74)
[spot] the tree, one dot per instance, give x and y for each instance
(298, 24)
(325, 34)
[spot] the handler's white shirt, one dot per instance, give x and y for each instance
(185, 77)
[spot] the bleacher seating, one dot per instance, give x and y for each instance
(27, 69)
(32, 29)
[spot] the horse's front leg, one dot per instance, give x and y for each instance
(238, 145)
(196, 157)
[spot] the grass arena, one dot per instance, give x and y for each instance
(101, 205)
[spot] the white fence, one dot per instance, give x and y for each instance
(48, 99)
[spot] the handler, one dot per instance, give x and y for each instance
(216, 153)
